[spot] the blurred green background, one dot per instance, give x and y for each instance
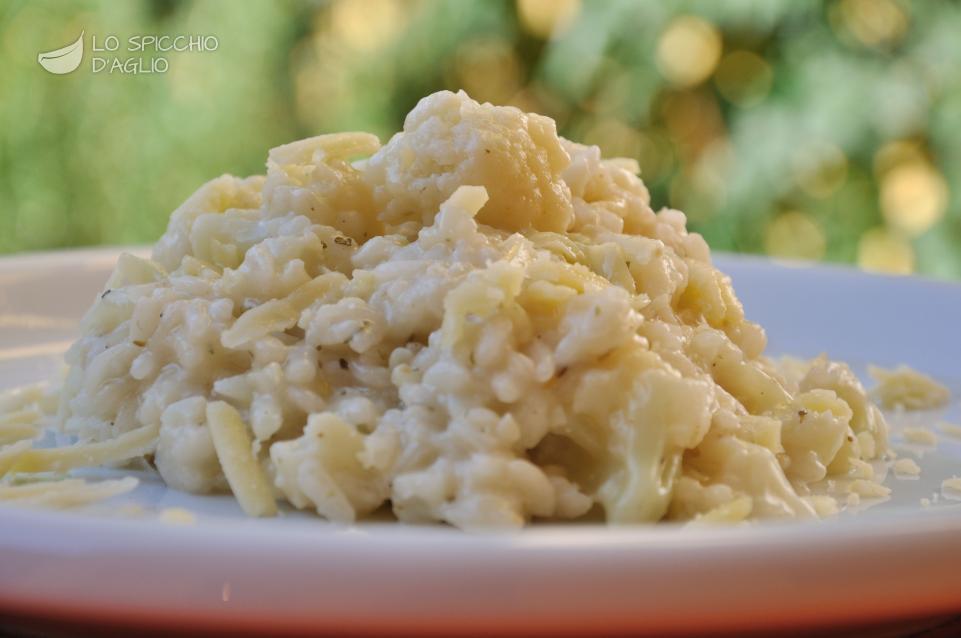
(796, 128)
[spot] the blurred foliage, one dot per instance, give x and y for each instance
(796, 128)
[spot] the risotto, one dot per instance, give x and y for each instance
(478, 323)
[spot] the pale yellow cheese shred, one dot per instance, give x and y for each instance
(869, 489)
(19, 425)
(21, 457)
(951, 429)
(904, 387)
(234, 447)
(952, 484)
(920, 436)
(906, 467)
(65, 493)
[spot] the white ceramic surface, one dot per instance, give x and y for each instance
(119, 562)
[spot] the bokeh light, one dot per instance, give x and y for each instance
(872, 22)
(744, 78)
(881, 250)
(794, 235)
(546, 18)
(366, 25)
(615, 138)
(472, 70)
(914, 197)
(688, 50)
(820, 169)
(818, 130)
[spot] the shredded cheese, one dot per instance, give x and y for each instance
(952, 484)
(920, 436)
(861, 469)
(869, 489)
(21, 457)
(177, 516)
(65, 493)
(19, 398)
(906, 467)
(824, 505)
(950, 429)
(234, 447)
(909, 389)
(731, 512)
(19, 425)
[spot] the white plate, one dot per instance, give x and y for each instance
(119, 563)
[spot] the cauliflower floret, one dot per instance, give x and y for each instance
(865, 416)
(449, 140)
(216, 196)
(185, 456)
(323, 469)
(815, 428)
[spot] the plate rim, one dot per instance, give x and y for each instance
(28, 530)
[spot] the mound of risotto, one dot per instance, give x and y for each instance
(479, 323)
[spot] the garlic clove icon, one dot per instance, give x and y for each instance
(65, 59)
